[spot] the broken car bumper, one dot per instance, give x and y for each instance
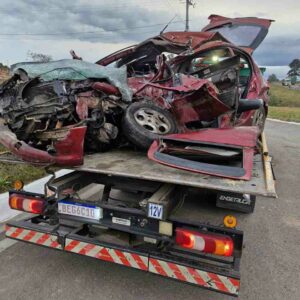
(68, 150)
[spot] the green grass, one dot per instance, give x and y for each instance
(11, 172)
(284, 113)
(284, 103)
(283, 96)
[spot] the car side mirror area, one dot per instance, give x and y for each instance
(249, 104)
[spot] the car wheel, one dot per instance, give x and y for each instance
(144, 122)
(259, 119)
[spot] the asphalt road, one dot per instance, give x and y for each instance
(270, 265)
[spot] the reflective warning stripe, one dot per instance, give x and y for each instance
(33, 236)
(128, 259)
(191, 275)
(176, 271)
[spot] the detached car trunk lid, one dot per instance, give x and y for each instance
(220, 152)
(246, 32)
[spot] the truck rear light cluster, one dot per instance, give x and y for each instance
(205, 242)
(29, 204)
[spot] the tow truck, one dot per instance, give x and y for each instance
(123, 208)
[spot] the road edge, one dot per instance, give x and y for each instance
(285, 122)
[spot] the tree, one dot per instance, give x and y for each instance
(4, 67)
(273, 78)
(294, 67)
(39, 57)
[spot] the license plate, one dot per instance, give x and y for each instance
(80, 210)
(155, 211)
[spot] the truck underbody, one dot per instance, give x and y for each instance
(121, 207)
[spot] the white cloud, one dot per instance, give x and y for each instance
(279, 71)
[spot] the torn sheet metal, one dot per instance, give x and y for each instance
(68, 150)
(232, 156)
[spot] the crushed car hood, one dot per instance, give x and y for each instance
(73, 69)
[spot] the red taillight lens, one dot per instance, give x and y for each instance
(205, 242)
(28, 204)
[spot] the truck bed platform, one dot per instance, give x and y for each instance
(133, 164)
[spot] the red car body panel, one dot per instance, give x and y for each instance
(115, 56)
(217, 21)
(189, 102)
(238, 136)
(192, 38)
(244, 137)
(69, 150)
(106, 88)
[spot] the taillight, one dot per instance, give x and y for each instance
(28, 204)
(205, 242)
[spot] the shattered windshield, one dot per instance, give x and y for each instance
(72, 69)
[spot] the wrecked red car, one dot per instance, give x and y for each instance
(219, 56)
(176, 83)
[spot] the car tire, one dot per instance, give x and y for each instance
(259, 119)
(143, 122)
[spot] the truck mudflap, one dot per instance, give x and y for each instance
(204, 275)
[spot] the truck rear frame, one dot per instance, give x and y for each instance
(123, 186)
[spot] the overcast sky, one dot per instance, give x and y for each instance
(94, 28)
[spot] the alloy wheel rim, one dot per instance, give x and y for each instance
(152, 121)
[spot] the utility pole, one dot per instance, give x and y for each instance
(188, 3)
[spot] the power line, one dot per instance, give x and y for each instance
(102, 33)
(31, 38)
(79, 8)
(85, 32)
(171, 4)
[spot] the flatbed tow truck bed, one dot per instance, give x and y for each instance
(123, 208)
(132, 164)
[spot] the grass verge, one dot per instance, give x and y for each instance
(283, 96)
(291, 114)
(11, 172)
(284, 103)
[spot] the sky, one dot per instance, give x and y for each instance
(95, 28)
